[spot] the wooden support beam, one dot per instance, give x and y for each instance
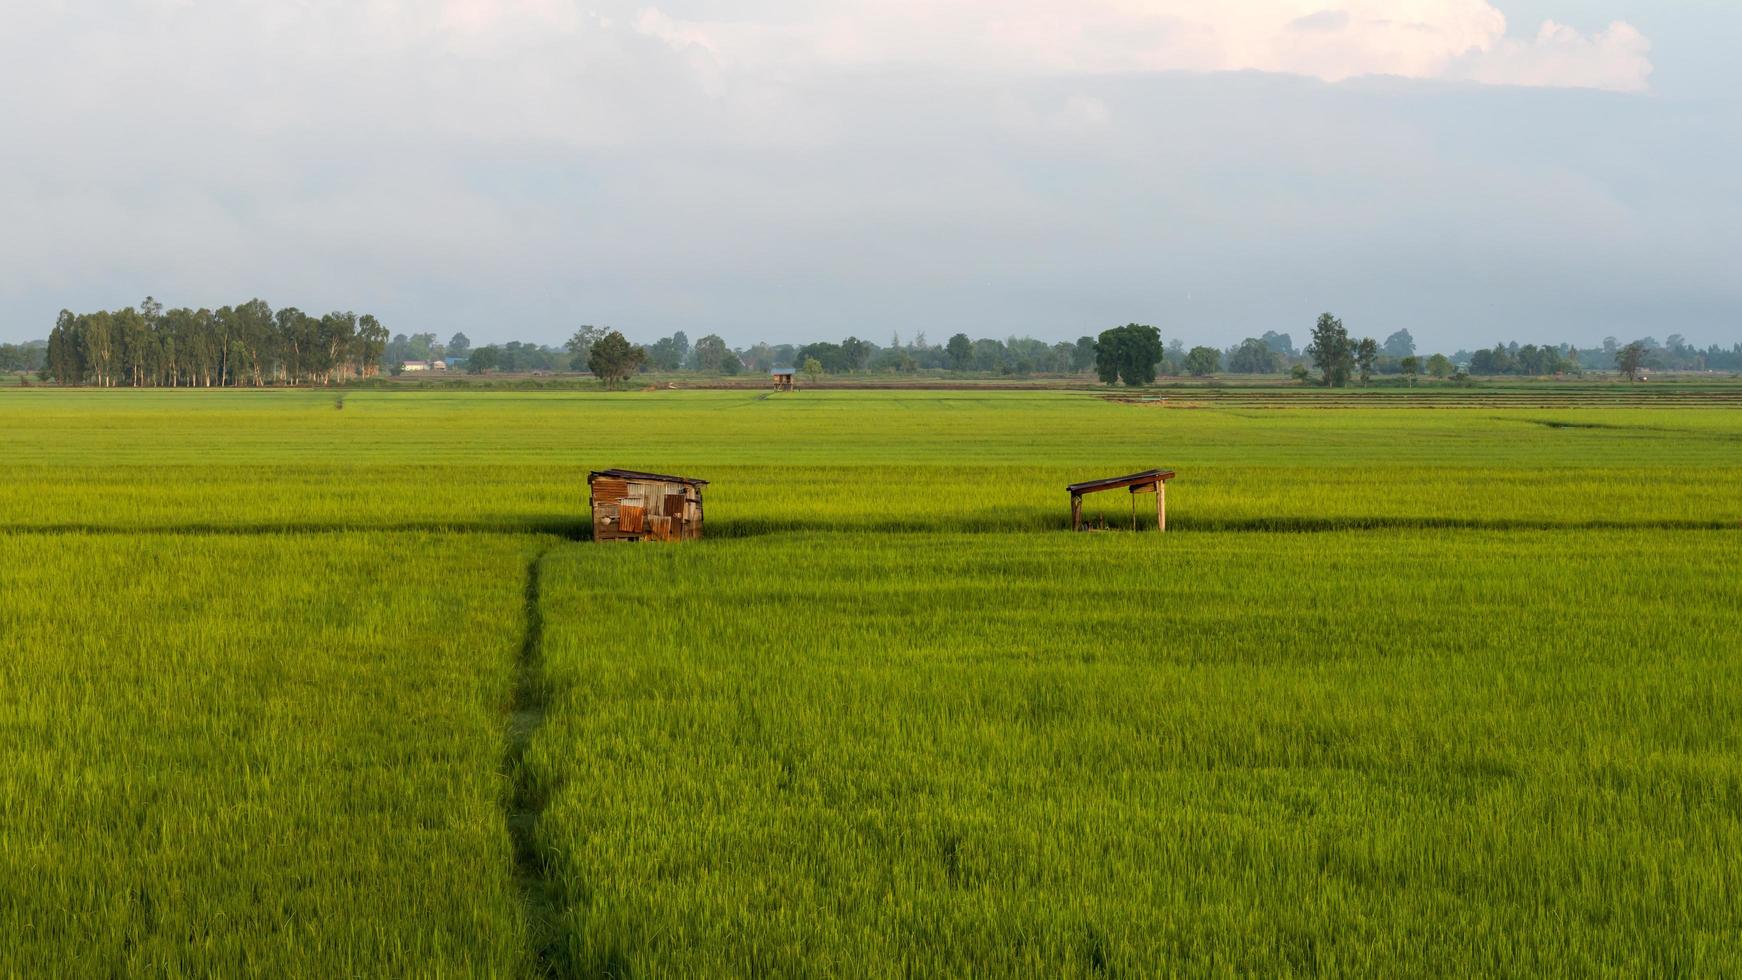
(1161, 505)
(1076, 512)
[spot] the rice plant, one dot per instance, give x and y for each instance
(235, 756)
(1410, 688)
(1388, 754)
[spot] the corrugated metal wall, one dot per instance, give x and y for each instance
(636, 510)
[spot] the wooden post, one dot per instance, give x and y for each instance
(1133, 510)
(1161, 505)
(1076, 512)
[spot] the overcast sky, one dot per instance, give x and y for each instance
(783, 170)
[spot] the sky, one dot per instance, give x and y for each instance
(795, 170)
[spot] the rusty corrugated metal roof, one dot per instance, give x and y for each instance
(650, 477)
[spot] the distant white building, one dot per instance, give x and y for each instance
(410, 367)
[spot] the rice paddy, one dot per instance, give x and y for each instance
(301, 687)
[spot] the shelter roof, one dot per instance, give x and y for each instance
(648, 477)
(1117, 482)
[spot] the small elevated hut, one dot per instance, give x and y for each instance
(783, 378)
(629, 505)
(1149, 481)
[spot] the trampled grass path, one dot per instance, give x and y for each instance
(528, 796)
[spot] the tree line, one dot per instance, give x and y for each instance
(249, 344)
(712, 355)
(1644, 354)
(30, 357)
(244, 345)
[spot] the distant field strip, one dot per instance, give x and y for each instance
(1676, 394)
(517, 462)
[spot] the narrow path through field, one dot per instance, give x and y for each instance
(527, 798)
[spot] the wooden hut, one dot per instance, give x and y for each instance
(783, 378)
(1149, 481)
(629, 505)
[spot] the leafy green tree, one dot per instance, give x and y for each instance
(669, 353)
(97, 343)
(25, 357)
(990, 355)
(398, 350)
(857, 353)
(1175, 353)
(372, 343)
(1332, 352)
(1281, 343)
(1493, 360)
(1254, 356)
(813, 369)
(1410, 366)
(710, 354)
(486, 358)
(960, 351)
(832, 357)
(1082, 355)
(1202, 362)
(338, 336)
(1539, 361)
(1629, 360)
(614, 360)
(132, 345)
(1367, 356)
(422, 346)
(580, 345)
(248, 330)
(1300, 373)
(1400, 345)
(459, 346)
(295, 334)
(759, 357)
(1440, 366)
(66, 363)
(246, 344)
(1128, 354)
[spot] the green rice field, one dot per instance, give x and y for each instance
(321, 683)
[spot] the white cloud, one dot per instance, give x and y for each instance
(510, 165)
(1617, 59)
(1327, 39)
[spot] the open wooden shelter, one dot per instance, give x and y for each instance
(629, 505)
(1149, 481)
(783, 378)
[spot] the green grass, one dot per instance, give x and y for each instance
(824, 460)
(1428, 754)
(1411, 690)
(227, 756)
